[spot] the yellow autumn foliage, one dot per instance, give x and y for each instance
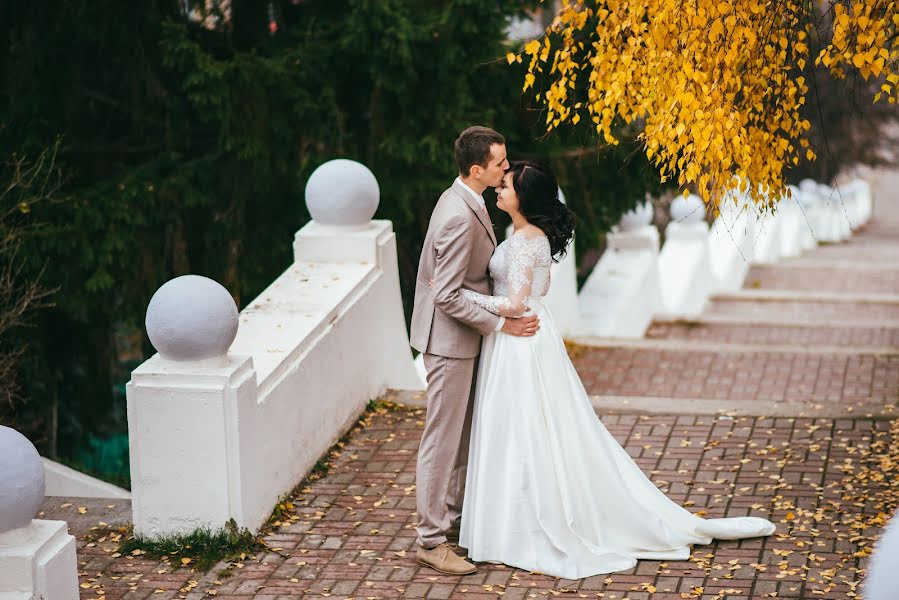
(715, 86)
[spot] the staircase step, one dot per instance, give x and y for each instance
(823, 279)
(811, 261)
(610, 405)
(811, 296)
(805, 309)
(688, 345)
(810, 338)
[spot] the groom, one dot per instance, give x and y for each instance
(448, 329)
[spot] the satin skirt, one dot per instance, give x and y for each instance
(549, 489)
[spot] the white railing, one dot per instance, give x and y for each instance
(67, 482)
(225, 433)
(635, 282)
(622, 292)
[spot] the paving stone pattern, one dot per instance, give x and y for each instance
(785, 376)
(351, 533)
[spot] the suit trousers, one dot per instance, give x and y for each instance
(443, 453)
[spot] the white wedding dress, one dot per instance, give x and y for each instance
(548, 488)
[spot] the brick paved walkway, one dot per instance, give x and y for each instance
(829, 483)
(791, 377)
(351, 533)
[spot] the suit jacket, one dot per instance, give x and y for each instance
(456, 254)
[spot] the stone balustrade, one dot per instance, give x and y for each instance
(731, 248)
(769, 231)
(622, 293)
(797, 235)
(635, 281)
(237, 408)
(685, 270)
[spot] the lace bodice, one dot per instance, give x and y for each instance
(520, 268)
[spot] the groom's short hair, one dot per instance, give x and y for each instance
(473, 147)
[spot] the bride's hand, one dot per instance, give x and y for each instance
(525, 326)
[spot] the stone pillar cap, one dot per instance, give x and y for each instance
(688, 210)
(23, 480)
(191, 318)
(636, 218)
(342, 192)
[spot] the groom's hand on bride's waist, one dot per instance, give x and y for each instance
(523, 326)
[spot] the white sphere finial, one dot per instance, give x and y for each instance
(637, 217)
(808, 193)
(191, 318)
(342, 192)
(22, 474)
(808, 184)
(688, 210)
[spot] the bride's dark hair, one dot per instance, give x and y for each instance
(538, 200)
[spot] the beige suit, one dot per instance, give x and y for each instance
(448, 330)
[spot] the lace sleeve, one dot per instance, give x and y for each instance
(522, 255)
(498, 305)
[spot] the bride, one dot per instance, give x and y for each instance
(548, 489)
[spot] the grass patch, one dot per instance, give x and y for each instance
(200, 549)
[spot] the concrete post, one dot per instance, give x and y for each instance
(37, 558)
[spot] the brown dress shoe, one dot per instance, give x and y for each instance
(441, 558)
